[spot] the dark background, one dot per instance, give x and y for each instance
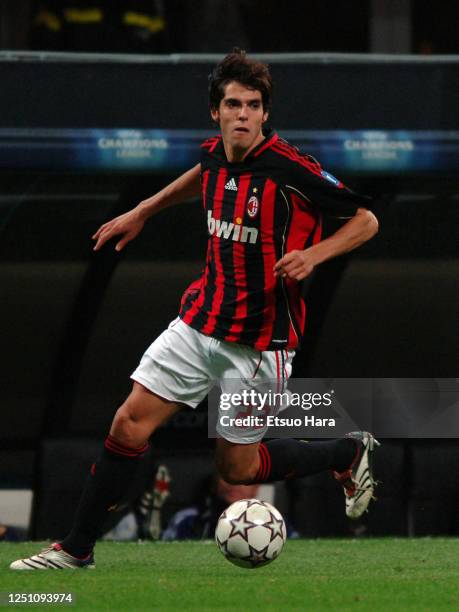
(74, 324)
(214, 26)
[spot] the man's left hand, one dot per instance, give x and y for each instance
(296, 265)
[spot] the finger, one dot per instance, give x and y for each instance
(292, 270)
(106, 227)
(280, 264)
(102, 229)
(289, 268)
(286, 259)
(283, 268)
(102, 239)
(298, 276)
(302, 273)
(97, 234)
(123, 242)
(280, 273)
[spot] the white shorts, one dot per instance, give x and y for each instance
(182, 365)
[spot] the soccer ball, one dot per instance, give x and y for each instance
(251, 533)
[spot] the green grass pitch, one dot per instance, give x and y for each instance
(367, 574)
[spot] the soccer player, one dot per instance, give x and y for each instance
(242, 320)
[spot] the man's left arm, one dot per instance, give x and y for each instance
(359, 229)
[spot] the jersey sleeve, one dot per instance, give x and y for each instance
(322, 189)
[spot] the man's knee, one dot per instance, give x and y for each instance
(125, 416)
(128, 427)
(140, 415)
(237, 474)
(124, 422)
(237, 464)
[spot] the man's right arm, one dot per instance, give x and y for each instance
(130, 224)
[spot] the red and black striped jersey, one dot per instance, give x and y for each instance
(257, 211)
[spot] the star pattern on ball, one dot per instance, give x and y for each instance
(222, 545)
(275, 525)
(240, 526)
(257, 556)
(251, 502)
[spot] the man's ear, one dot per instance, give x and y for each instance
(215, 115)
(265, 117)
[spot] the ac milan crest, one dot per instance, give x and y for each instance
(253, 207)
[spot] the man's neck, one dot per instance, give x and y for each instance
(236, 156)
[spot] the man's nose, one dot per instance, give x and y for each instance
(243, 112)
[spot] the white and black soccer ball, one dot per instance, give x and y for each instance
(251, 533)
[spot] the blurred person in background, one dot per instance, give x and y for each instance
(99, 26)
(200, 520)
(12, 534)
(197, 521)
(142, 519)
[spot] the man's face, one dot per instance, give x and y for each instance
(241, 117)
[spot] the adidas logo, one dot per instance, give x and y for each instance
(231, 185)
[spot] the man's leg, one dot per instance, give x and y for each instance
(254, 461)
(111, 475)
(282, 459)
(109, 478)
(349, 458)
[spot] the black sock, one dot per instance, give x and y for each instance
(285, 459)
(108, 481)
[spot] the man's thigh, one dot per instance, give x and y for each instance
(263, 374)
(143, 405)
(176, 366)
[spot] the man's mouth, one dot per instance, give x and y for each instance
(241, 129)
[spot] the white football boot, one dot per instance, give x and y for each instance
(53, 557)
(358, 481)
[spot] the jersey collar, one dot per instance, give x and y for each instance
(269, 140)
(270, 137)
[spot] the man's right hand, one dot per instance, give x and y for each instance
(129, 225)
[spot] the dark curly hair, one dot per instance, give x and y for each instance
(236, 66)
